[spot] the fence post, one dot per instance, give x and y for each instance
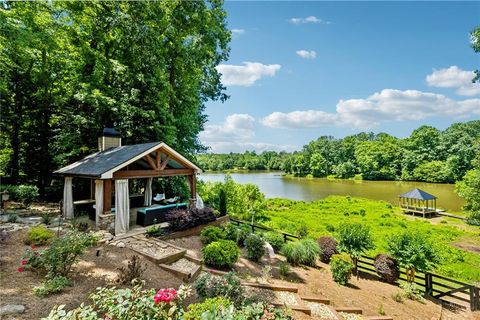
(253, 228)
(477, 298)
(428, 284)
(284, 238)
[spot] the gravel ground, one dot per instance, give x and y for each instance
(321, 311)
(350, 316)
(184, 265)
(288, 298)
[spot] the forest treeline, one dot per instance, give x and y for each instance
(70, 68)
(428, 154)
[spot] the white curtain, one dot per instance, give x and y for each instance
(68, 198)
(199, 204)
(98, 200)
(148, 193)
(122, 207)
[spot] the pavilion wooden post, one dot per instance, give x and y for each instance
(107, 195)
(192, 181)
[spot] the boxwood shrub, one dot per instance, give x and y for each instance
(275, 239)
(221, 254)
(341, 266)
(211, 234)
(254, 245)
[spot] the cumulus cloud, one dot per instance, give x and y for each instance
(454, 77)
(387, 105)
(309, 19)
(246, 74)
(306, 54)
(236, 134)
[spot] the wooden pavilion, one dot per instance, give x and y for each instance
(418, 201)
(113, 166)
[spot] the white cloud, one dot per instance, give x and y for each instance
(235, 134)
(387, 105)
(454, 77)
(246, 74)
(238, 31)
(309, 19)
(306, 54)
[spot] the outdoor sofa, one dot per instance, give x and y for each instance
(156, 214)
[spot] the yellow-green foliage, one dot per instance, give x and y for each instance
(39, 236)
(324, 217)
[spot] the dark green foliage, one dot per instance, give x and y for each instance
(222, 202)
(354, 239)
(23, 193)
(275, 239)
(231, 232)
(341, 266)
(211, 234)
(328, 247)
(69, 69)
(243, 232)
(221, 254)
(302, 231)
(155, 231)
(387, 268)
(12, 217)
(39, 236)
(299, 252)
(473, 218)
(254, 246)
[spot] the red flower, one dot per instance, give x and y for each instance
(33, 247)
(24, 262)
(20, 269)
(165, 295)
(37, 254)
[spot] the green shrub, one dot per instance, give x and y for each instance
(284, 269)
(39, 236)
(221, 254)
(47, 218)
(341, 266)
(243, 232)
(231, 232)
(196, 310)
(275, 239)
(302, 231)
(227, 286)
(26, 194)
(51, 286)
(410, 291)
(354, 239)
(211, 234)
(134, 270)
(63, 252)
(301, 252)
(254, 245)
(155, 231)
(473, 218)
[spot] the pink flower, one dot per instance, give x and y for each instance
(165, 295)
(24, 262)
(36, 254)
(20, 269)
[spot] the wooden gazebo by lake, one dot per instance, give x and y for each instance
(418, 201)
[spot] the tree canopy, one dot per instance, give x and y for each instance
(71, 68)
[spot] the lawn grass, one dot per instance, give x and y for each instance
(323, 217)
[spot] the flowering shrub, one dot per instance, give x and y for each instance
(127, 304)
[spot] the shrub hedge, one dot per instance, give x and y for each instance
(221, 254)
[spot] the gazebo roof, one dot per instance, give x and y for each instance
(418, 194)
(104, 163)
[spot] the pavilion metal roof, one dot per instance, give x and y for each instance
(102, 164)
(418, 194)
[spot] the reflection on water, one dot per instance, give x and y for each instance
(275, 185)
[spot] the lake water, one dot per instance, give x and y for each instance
(275, 185)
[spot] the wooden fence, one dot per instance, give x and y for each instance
(447, 290)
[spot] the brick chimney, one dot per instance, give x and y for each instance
(110, 138)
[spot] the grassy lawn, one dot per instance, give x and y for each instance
(323, 217)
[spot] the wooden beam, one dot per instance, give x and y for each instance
(107, 195)
(150, 162)
(165, 162)
(159, 158)
(152, 173)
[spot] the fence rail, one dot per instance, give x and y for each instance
(434, 285)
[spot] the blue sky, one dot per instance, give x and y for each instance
(299, 70)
